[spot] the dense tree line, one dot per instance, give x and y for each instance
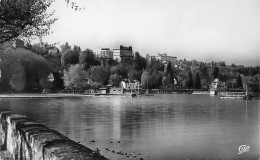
(27, 70)
(23, 70)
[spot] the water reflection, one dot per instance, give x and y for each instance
(160, 127)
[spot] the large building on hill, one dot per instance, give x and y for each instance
(164, 58)
(103, 53)
(123, 53)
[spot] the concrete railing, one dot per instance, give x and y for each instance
(26, 139)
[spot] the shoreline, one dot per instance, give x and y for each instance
(41, 95)
(58, 95)
(74, 95)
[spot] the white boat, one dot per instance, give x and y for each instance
(213, 92)
(233, 95)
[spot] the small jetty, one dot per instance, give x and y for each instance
(236, 95)
(114, 95)
(41, 95)
(200, 92)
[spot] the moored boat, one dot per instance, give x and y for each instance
(213, 92)
(235, 95)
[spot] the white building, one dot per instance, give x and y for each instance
(103, 53)
(164, 58)
(97, 52)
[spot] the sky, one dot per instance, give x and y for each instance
(204, 30)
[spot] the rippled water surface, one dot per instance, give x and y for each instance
(166, 127)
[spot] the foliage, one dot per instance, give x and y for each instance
(155, 81)
(24, 18)
(139, 62)
(18, 80)
(155, 65)
(33, 69)
(189, 81)
(215, 72)
(58, 83)
(119, 69)
(239, 81)
(75, 77)
(27, 18)
(169, 74)
(164, 81)
(145, 79)
(99, 74)
(197, 83)
(151, 79)
(135, 75)
(95, 85)
(65, 47)
(69, 57)
(87, 58)
(40, 49)
(115, 80)
(26, 71)
(53, 58)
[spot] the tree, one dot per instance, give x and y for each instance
(164, 81)
(135, 75)
(155, 65)
(99, 74)
(120, 70)
(139, 62)
(65, 47)
(151, 79)
(189, 81)
(18, 80)
(53, 58)
(20, 64)
(75, 77)
(76, 49)
(239, 81)
(69, 57)
(115, 80)
(26, 18)
(215, 72)
(168, 75)
(87, 58)
(39, 49)
(197, 83)
(144, 79)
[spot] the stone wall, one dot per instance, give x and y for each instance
(27, 139)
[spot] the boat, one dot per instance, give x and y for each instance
(213, 92)
(238, 95)
(235, 95)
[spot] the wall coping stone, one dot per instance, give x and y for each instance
(30, 139)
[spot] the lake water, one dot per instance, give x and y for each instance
(165, 127)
